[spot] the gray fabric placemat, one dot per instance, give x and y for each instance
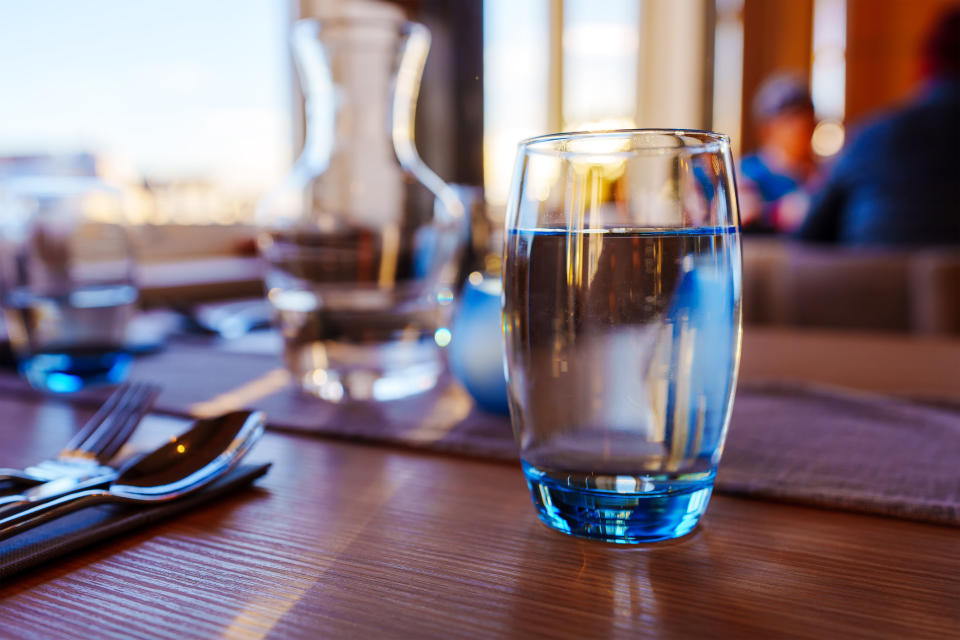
(847, 450)
(794, 442)
(83, 528)
(825, 447)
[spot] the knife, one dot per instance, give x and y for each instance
(95, 476)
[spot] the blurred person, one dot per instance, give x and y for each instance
(898, 182)
(775, 181)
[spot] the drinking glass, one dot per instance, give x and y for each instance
(67, 281)
(621, 314)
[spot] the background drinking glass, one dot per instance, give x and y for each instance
(68, 287)
(622, 323)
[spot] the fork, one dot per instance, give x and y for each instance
(99, 440)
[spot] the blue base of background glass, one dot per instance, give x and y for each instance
(669, 510)
(65, 373)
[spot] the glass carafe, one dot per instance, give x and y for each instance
(362, 238)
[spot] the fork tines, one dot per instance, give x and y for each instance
(113, 423)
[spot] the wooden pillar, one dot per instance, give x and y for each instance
(777, 36)
(883, 51)
(675, 87)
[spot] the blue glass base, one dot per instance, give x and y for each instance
(662, 509)
(68, 372)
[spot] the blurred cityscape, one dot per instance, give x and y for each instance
(183, 106)
(195, 201)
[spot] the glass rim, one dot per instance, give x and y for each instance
(708, 142)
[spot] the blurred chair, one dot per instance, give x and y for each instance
(935, 292)
(823, 287)
(907, 291)
(763, 260)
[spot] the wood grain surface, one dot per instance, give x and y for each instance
(344, 540)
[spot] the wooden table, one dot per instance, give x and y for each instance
(349, 540)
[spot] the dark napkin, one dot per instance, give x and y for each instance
(82, 528)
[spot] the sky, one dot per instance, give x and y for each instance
(516, 42)
(177, 88)
(600, 55)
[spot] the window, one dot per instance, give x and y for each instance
(552, 65)
(186, 103)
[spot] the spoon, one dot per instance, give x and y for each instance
(184, 465)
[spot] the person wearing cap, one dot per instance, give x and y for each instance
(898, 181)
(775, 181)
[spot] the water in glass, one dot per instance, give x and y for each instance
(68, 341)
